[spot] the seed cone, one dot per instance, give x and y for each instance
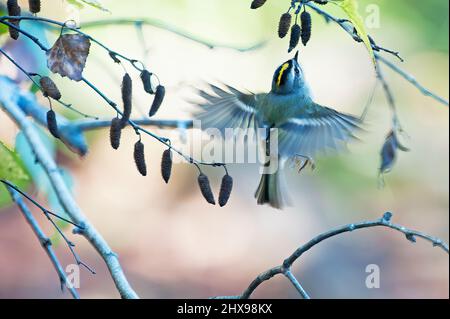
(49, 88)
(52, 125)
(13, 10)
(127, 88)
(257, 4)
(166, 165)
(34, 6)
(225, 190)
(284, 25)
(146, 78)
(115, 132)
(295, 37)
(305, 18)
(139, 158)
(205, 188)
(158, 100)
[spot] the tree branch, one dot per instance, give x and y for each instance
(164, 26)
(9, 105)
(344, 25)
(44, 240)
(284, 268)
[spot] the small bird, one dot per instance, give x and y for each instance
(303, 127)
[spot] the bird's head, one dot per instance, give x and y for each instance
(288, 78)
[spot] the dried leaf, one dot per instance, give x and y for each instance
(68, 55)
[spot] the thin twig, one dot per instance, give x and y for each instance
(88, 125)
(44, 240)
(164, 26)
(343, 24)
(111, 103)
(384, 221)
(64, 195)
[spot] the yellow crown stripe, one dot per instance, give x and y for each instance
(284, 67)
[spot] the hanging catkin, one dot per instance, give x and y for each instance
(305, 18)
(158, 100)
(146, 78)
(205, 188)
(295, 37)
(225, 190)
(127, 89)
(34, 6)
(166, 165)
(139, 158)
(52, 125)
(284, 25)
(49, 88)
(115, 132)
(13, 10)
(258, 4)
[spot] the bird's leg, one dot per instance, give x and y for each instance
(305, 160)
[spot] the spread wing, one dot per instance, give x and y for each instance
(316, 129)
(228, 108)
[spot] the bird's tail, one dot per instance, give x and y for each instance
(272, 190)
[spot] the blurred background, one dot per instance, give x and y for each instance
(171, 243)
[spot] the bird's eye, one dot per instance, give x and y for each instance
(297, 71)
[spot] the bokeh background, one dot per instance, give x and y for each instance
(174, 245)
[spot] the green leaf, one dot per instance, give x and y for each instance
(93, 3)
(350, 7)
(3, 28)
(11, 166)
(13, 170)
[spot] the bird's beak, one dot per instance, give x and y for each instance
(296, 56)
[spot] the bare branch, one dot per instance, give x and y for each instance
(384, 221)
(9, 105)
(44, 240)
(164, 26)
(344, 25)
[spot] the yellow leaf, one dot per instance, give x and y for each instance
(350, 7)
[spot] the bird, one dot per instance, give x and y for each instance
(303, 128)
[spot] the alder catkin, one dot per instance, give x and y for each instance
(146, 78)
(305, 19)
(115, 132)
(295, 37)
(205, 188)
(52, 125)
(284, 25)
(158, 100)
(34, 6)
(13, 10)
(49, 88)
(225, 190)
(127, 89)
(166, 165)
(139, 158)
(257, 4)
